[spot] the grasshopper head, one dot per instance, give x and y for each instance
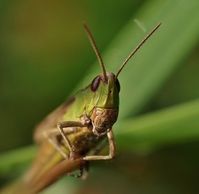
(105, 112)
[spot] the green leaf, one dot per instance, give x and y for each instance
(9, 161)
(177, 124)
(173, 125)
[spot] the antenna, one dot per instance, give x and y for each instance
(96, 50)
(137, 48)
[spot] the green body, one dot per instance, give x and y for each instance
(97, 105)
(99, 94)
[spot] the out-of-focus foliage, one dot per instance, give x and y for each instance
(45, 56)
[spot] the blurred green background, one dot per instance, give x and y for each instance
(45, 56)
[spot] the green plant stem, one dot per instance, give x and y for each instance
(177, 124)
(11, 159)
(173, 125)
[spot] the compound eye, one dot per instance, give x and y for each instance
(117, 83)
(95, 83)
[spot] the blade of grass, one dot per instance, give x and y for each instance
(160, 56)
(173, 125)
(10, 160)
(177, 124)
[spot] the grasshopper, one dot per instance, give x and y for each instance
(76, 127)
(74, 132)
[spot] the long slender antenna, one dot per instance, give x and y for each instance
(96, 50)
(137, 48)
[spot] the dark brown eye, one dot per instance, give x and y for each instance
(95, 83)
(117, 83)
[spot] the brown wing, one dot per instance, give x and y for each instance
(51, 120)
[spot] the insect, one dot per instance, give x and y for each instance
(76, 128)
(79, 125)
